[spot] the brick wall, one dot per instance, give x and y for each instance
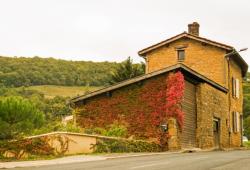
(211, 103)
(205, 59)
(209, 61)
(236, 104)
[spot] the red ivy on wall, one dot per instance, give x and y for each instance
(175, 93)
(141, 108)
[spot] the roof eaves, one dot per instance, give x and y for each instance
(149, 75)
(241, 62)
(144, 51)
(205, 79)
(205, 40)
(160, 44)
(124, 83)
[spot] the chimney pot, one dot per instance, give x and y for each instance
(194, 28)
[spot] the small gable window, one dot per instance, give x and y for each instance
(181, 54)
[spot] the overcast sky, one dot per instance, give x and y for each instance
(112, 30)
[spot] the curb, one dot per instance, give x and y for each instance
(146, 154)
(39, 163)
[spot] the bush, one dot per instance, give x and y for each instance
(247, 144)
(114, 130)
(36, 146)
(120, 146)
(57, 126)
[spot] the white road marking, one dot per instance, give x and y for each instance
(149, 165)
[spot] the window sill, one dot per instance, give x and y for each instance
(181, 60)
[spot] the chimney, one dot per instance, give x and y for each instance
(193, 28)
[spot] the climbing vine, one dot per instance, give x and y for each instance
(140, 107)
(40, 146)
(175, 93)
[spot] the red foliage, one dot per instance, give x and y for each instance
(175, 93)
(142, 109)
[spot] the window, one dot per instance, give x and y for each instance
(181, 55)
(236, 87)
(236, 122)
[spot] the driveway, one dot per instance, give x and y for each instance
(219, 160)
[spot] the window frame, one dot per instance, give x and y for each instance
(178, 54)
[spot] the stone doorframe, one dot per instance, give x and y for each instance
(216, 132)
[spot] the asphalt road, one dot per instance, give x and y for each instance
(231, 160)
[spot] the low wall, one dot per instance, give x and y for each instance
(66, 143)
(70, 143)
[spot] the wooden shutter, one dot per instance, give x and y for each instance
(234, 121)
(237, 122)
(233, 87)
(237, 88)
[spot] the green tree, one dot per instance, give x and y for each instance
(57, 107)
(18, 117)
(246, 105)
(127, 70)
(247, 127)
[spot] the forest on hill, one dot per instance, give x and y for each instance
(36, 78)
(17, 72)
(36, 91)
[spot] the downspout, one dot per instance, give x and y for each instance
(229, 93)
(229, 98)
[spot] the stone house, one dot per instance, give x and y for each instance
(213, 95)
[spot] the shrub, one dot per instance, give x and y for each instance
(247, 144)
(114, 130)
(57, 126)
(37, 146)
(119, 146)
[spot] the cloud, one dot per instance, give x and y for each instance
(114, 29)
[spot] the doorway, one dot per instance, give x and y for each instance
(216, 130)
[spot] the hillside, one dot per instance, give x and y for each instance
(16, 72)
(50, 91)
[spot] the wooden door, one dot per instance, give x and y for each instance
(216, 130)
(188, 134)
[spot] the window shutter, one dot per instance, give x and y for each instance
(233, 87)
(234, 122)
(238, 121)
(241, 123)
(237, 84)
